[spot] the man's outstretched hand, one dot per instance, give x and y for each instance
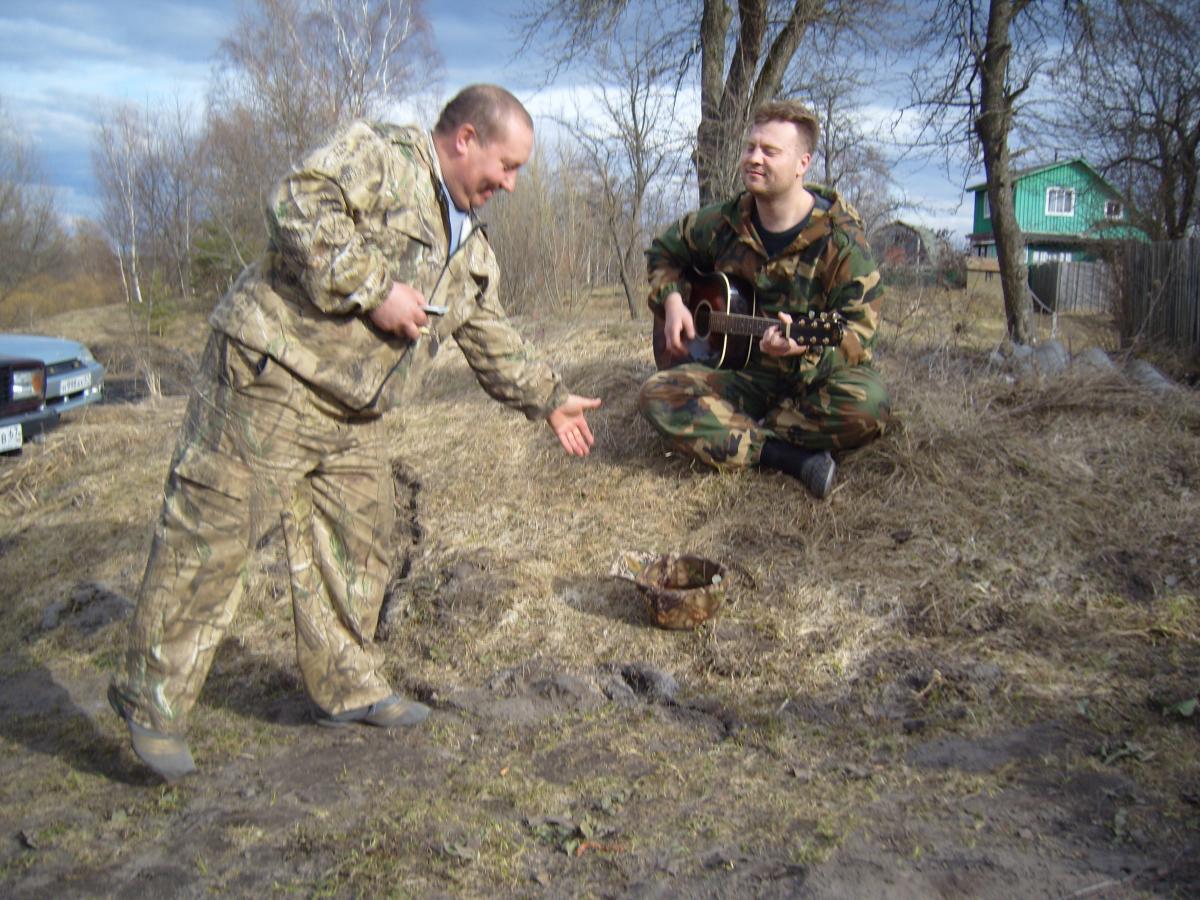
(570, 425)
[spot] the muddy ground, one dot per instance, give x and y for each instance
(279, 805)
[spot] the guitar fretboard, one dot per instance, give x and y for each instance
(811, 330)
(730, 323)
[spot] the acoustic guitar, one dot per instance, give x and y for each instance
(729, 324)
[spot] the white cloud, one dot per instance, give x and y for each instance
(67, 60)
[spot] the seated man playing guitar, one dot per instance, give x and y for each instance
(806, 386)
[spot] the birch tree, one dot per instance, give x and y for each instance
(116, 158)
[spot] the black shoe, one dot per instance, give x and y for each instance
(167, 754)
(817, 474)
(387, 713)
(812, 468)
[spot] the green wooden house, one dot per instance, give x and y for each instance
(1065, 210)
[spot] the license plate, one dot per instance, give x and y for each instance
(75, 383)
(10, 438)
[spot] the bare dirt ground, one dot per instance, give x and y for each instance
(972, 672)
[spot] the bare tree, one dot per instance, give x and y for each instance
(31, 233)
(116, 158)
(145, 166)
(1135, 88)
(379, 51)
(291, 72)
(848, 156)
(145, 163)
(305, 66)
(550, 243)
(866, 184)
(738, 57)
(634, 148)
(177, 206)
(981, 59)
(236, 171)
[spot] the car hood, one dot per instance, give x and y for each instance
(18, 362)
(47, 349)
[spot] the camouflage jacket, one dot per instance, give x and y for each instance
(827, 267)
(363, 211)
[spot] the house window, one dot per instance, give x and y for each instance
(1060, 201)
(1042, 256)
(987, 207)
(1113, 209)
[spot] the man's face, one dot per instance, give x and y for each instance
(774, 159)
(487, 168)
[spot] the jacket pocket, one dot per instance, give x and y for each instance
(410, 246)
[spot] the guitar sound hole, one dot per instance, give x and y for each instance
(700, 319)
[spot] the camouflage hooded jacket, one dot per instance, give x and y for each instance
(828, 267)
(363, 211)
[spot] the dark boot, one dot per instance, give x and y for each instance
(814, 469)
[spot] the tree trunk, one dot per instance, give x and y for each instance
(727, 101)
(992, 125)
(714, 23)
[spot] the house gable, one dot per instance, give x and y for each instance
(1061, 209)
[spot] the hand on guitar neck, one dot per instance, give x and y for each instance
(775, 341)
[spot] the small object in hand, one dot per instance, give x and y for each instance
(681, 591)
(433, 310)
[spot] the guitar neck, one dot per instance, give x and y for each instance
(803, 331)
(732, 323)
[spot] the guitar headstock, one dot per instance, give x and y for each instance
(823, 329)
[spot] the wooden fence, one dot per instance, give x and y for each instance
(1073, 286)
(1161, 292)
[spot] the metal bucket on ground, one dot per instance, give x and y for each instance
(681, 590)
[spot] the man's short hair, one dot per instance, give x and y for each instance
(488, 107)
(795, 112)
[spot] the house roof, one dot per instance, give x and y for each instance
(934, 244)
(1019, 174)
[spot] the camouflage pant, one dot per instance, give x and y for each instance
(723, 417)
(258, 443)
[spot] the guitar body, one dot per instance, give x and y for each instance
(728, 325)
(711, 293)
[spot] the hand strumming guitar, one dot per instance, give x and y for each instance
(678, 324)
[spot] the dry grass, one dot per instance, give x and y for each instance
(47, 297)
(1046, 530)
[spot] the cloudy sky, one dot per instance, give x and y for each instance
(65, 61)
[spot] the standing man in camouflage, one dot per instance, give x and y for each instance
(369, 237)
(804, 251)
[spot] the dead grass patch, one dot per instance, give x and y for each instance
(1011, 553)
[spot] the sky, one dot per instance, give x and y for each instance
(67, 61)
